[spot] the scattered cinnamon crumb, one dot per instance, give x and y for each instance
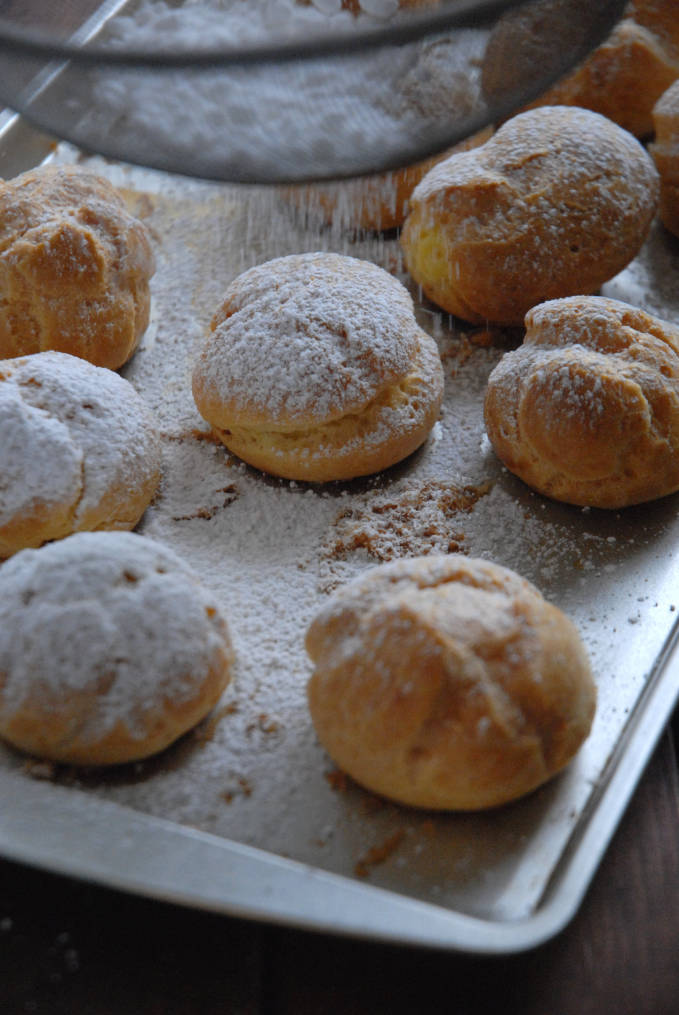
(264, 723)
(179, 436)
(338, 780)
(244, 789)
(412, 521)
(39, 769)
(206, 730)
(231, 492)
(206, 513)
(194, 434)
(205, 435)
(378, 854)
(373, 804)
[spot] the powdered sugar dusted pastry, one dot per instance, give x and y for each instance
(110, 649)
(555, 203)
(665, 152)
(448, 682)
(315, 369)
(74, 267)
(79, 450)
(587, 409)
(621, 79)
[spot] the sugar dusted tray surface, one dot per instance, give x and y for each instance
(273, 550)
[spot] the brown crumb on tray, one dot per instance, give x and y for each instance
(459, 349)
(206, 513)
(242, 787)
(194, 434)
(205, 435)
(373, 804)
(207, 729)
(378, 854)
(411, 521)
(264, 723)
(338, 780)
(40, 769)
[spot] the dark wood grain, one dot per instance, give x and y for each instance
(68, 948)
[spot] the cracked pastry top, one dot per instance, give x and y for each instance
(110, 649)
(79, 450)
(557, 202)
(74, 267)
(315, 369)
(587, 409)
(448, 682)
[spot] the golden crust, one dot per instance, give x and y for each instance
(110, 649)
(74, 267)
(558, 201)
(385, 431)
(448, 683)
(587, 409)
(665, 152)
(316, 370)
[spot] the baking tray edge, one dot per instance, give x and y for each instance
(68, 832)
(60, 829)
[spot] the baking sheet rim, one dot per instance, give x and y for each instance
(43, 826)
(31, 829)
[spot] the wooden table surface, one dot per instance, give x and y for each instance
(71, 948)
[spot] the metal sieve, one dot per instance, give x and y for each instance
(214, 90)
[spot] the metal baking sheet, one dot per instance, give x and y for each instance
(247, 815)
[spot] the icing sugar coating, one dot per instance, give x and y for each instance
(74, 267)
(587, 409)
(559, 200)
(337, 329)
(79, 450)
(448, 682)
(110, 648)
(316, 369)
